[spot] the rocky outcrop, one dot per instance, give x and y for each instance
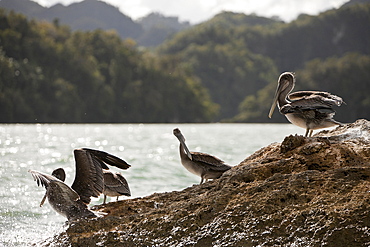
(305, 191)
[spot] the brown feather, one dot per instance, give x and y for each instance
(115, 184)
(89, 175)
(208, 159)
(89, 181)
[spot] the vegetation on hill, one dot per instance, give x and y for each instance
(236, 56)
(218, 55)
(157, 28)
(50, 74)
(225, 69)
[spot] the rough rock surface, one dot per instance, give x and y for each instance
(312, 191)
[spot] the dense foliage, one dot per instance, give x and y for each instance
(225, 69)
(239, 58)
(218, 55)
(50, 74)
(332, 33)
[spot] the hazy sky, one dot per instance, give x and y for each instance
(196, 11)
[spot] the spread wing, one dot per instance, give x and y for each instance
(210, 161)
(41, 178)
(89, 176)
(89, 179)
(54, 186)
(116, 182)
(109, 159)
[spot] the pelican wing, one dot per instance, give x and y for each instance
(89, 175)
(315, 98)
(64, 192)
(41, 178)
(89, 179)
(108, 159)
(210, 160)
(290, 108)
(66, 201)
(116, 182)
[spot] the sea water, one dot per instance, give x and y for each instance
(151, 149)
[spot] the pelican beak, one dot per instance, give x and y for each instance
(186, 149)
(188, 153)
(274, 102)
(282, 85)
(43, 200)
(181, 138)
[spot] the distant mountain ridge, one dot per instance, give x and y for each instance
(94, 14)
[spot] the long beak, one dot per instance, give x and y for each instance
(282, 85)
(274, 102)
(186, 149)
(43, 200)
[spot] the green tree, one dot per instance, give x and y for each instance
(50, 74)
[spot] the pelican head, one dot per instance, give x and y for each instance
(181, 138)
(60, 174)
(285, 85)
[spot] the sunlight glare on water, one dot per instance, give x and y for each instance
(151, 149)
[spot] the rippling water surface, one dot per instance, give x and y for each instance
(151, 149)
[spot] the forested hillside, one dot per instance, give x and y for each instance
(239, 58)
(218, 54)
(50, 74)
(225, 69)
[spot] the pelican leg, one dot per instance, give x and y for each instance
(307, 131)
(201, 181)
(105, 198)
(310, 134)
(117, 198)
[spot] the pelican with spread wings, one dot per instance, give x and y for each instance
(72, 202)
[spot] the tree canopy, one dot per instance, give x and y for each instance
(50, 74)
(224, 69)
(239, 58)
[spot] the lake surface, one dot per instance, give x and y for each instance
(151, 149)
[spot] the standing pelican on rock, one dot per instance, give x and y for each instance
(204, 165)
(115, 185)
(310, 110)
(71, 202)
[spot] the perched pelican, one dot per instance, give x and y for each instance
(71, 202)
(307, 109)
(115, 185)
(204, 165)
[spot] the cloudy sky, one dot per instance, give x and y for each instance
(196, 11)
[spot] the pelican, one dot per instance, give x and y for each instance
(115, 185)
(71, 202)
(310, 110)
(204, 165)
